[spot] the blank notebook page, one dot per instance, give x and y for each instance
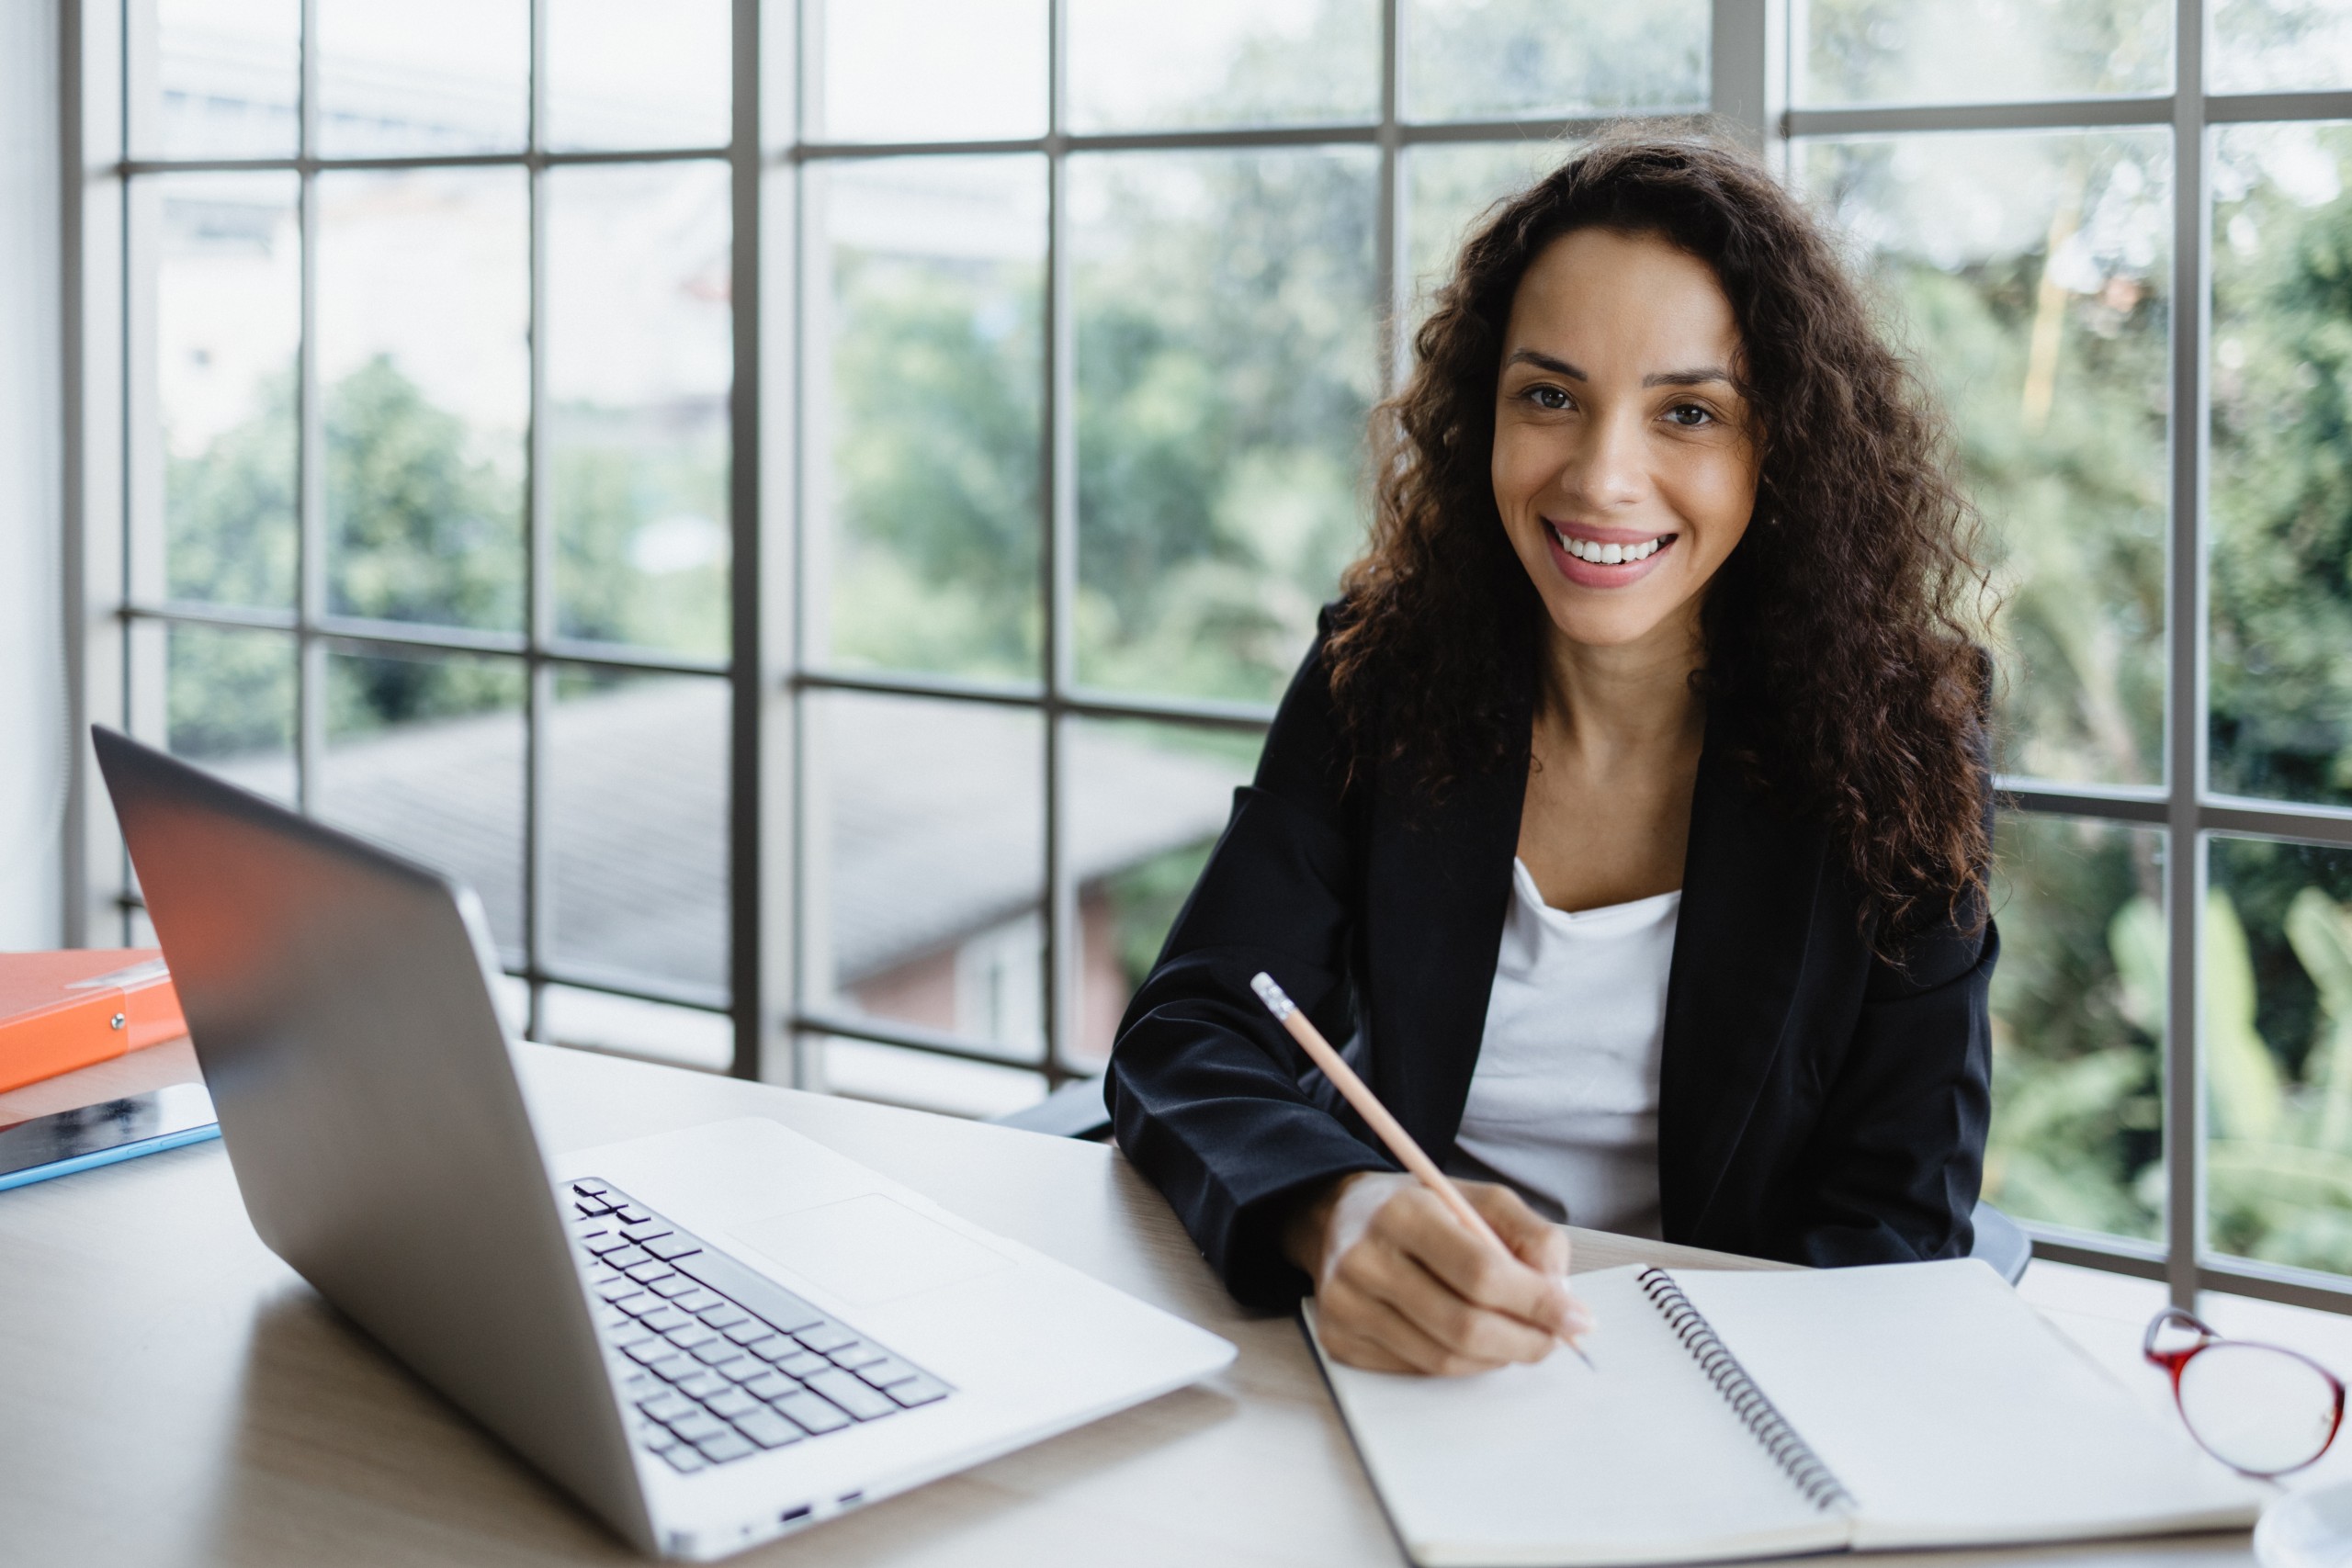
(1954, 1414)
(1640, 1461)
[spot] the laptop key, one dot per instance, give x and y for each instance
(619, 1290)
(650, 1354)
(919, 1389)
(742, 1370)
(702, 1383)
(677, 1287)
(665, 1318)
(771, 1384)
(857, 1355)
(810, 1413)
(651, 1272)
(800, 1363)
(630, 1215)
(750, 1331)
(610, 1248)
(673, 1367)
(624, 1254)
(645, 1232)
(824, 1337)
(700, 1298)
(755, 1293)
(775, 1348)
(886, 1371)
(727, 1446)
(667, 1406)
(723, 1315)
(692, 1335)
(697, 1425)
(670, 1248)
(731, 1402)
(684, 1458)
(713, 1349)
(852, 1395)
(767, 1428)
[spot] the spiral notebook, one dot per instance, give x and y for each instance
(1735, 1415)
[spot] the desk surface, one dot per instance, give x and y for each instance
(170, 1393)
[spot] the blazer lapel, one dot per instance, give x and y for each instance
(1437, 888)
(1749, 880)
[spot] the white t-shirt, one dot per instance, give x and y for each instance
(1563, 1103)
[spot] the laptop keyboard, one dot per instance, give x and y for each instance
(728, 1363)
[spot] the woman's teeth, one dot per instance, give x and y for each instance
(1609, 555)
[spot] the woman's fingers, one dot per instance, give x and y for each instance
(1534, 1240)
(1477, 1334)
(1418, 1225)
(1388, 1331)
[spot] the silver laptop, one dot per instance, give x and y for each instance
(710, 1338)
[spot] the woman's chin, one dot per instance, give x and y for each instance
(1621, 620)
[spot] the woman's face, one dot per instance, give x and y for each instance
(1624, 463)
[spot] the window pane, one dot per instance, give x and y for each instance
(926, 458)
(2033, 276)
(423, 313)
(640, 356)
(2268, 46)
(229, 704)
(639, 793)
(621, 74)
(1942, 51)
(892, 1075)
(2078, 1019)
(424, 755)
(2278, 1052)
(1449, 188)
(917, 70)
(599, 1020)
(1530, 59)
(1138, 64)
(2281, 510)
(1226, 318)
(1147, 803)
(224, 82)
(926, 828)
(422, 77)
(227, 275)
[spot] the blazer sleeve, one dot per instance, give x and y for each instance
(1205, 1089)
(1897, 1157)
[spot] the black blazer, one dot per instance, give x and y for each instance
(1816, 1103)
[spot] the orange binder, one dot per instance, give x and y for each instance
(66, 1010)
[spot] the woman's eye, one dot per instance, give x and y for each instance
(1688, 415)
(1548, 396)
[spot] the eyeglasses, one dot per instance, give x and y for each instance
(2260, 1409)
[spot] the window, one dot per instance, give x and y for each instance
(807, 507)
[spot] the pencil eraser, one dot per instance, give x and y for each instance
(1277, 1003)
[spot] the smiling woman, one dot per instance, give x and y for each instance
(1630, 813)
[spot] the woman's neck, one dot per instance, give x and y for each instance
(1611, 706)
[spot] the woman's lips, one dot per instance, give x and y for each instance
(1599, 574)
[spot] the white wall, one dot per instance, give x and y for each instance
(32, 712)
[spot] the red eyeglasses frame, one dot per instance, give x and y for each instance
(2176, 1362)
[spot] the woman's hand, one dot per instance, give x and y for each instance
(1401, 1287)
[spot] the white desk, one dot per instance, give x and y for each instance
(170, 1393)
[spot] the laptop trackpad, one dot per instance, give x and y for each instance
(870, 1249)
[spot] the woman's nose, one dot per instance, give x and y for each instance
(1607, 472)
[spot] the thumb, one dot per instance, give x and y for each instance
(1533, 1239)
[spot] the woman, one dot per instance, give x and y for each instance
(1630, 814)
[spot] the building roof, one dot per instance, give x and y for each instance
(935, 811)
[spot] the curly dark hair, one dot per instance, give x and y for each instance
(1840, 662)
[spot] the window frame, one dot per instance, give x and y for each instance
(774, 997)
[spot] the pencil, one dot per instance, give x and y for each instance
(1391, 1131)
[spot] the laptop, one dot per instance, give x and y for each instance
(710, 1338)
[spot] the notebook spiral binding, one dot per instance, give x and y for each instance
(1820, 1486)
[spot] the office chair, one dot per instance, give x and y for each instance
(1075, 1110)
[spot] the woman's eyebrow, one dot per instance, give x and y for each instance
(1699, 377)
(1538, 359)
